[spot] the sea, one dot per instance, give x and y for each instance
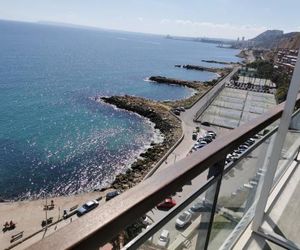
(54, 138)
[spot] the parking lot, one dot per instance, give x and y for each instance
(234, 107)
(256, 81)
(253, 84)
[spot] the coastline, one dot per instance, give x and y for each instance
(159, 114)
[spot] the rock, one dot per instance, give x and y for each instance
(159, 114)
(161, 79)
(125, 186)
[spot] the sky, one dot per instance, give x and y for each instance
(195, 18)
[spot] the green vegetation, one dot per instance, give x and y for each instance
(266, 70)
(282, 81)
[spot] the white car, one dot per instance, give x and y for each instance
(164, 238)
(183, 219)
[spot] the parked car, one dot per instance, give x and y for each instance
(145, 220)
(212, 134)
(251, 140)
(243, 147)
(207, 124)
(176, 112)
(208, 136)
(200, 144)
(237, 151)
(229, 157)
(200, 139)
(166, 204)
(197, 207)
(194, 136)
(184, 219)
(181, 109)
(208, 139)
(111, 195)
(235, 156)
(248, 143)
(85, 208)
(164, 238)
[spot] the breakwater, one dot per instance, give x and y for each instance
(167, 80)
(168, 125)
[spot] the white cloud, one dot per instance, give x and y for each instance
(184, 22)
(163, 21)
(140, 19)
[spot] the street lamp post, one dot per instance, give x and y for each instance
(46, 210)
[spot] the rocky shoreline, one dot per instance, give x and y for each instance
(218, 62)
(219, 71)
(167, 123)
(200, 87)
(167, 80)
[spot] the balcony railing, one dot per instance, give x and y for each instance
(103, 224)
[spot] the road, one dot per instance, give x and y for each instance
(181, 151)
(188, 124)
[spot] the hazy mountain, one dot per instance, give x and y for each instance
(272, 39)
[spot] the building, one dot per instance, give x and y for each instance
(286, 59)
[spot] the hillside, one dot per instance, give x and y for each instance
(290, 41)
(272, 39)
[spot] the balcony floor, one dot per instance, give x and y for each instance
(282, 216)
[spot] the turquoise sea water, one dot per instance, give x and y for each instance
(53, 137)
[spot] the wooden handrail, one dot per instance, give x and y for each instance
(101, 225)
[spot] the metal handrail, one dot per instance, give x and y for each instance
(104, 223)
(141, 238)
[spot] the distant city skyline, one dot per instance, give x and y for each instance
(217, 18)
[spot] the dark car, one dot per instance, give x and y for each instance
(237, 151)
(197, 207)
(85, 208)
(256, 136)
(200, 144)
(176, 112)
(111, 195)
(247, 144)
(181, 109)
(251, 141)
(207, 139)
(243, 147)
(194, 136)
(207, 124)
